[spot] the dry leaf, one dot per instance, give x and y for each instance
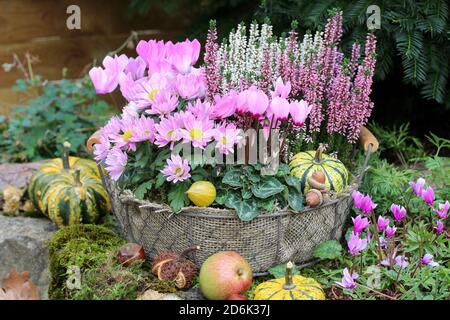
(18, 286)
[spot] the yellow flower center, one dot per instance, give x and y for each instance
(224, 140)
(127, 135)
(152, 93)
(178, 170)
(196, 134)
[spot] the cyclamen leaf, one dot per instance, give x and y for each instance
(330, 249)
(232, 178)
(293, 182)
(295, 200)
(246, 209)
(267, 188)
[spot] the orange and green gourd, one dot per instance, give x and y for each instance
(291, 287)
(303, 165)
(69, 191)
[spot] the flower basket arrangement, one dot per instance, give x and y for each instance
(226, 154)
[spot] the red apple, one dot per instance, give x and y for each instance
(225, 274)
(237, 296)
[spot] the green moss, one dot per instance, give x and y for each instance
(93, 249)
(85, 246)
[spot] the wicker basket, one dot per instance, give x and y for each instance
(267, 240)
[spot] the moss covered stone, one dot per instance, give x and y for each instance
(93, 249)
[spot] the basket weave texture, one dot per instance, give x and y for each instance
(269, 239)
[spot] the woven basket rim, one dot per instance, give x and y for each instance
(128, 197)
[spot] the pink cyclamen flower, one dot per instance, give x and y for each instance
(418, 186)
(443, 210)
(254, 101)
(394, 260)
(348, 280)
(356, 244)
(427, 260)
(199, 131)
(224, 106)
(279, 107)
(390, 231)
(153, 52)
(136, 68)
(115, 163)
(382, 222)
(299, 111)
(182, 55)
(440, 227)
(281, 90)
(362, 202)
(200, 109)
(399, 212)
(177, 169)
(357, 199)
(227, 136)
(383, 243)
(360, 224)
(401, 262)
(106, 80)
(428, 195)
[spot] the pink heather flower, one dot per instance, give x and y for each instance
(227, 136)
(153, 52)
(168, 131)
(428, 195)
(115, 163)
(163, 103)
(144, 130)
(440, 227)
(382, 223)
(443, 210)
(224, 106)
(101, 149)
(390, 231)
(182, 55)
(190, 86)
(199, 131)
(360, 224)
(418, 186)
(177, 169)
(281, 90)
(254, 101)
(356, 244)
(212, 73)
(427, 260)
(136, 68)
(299, 111)
(279, 107)
(348, 281)
(399, 212)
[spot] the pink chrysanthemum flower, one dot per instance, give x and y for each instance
(168, 131)
(115, 163)
(124, 138)
(144, 130)
(177, 169)
(190, 86)
(227, 136)
(199, 131)
(200, 109)
(101, 149)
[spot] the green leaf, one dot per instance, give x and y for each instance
(330, 250)
(160, 179)
(279, 270)
(177, 196)
(267, 188)
(142, 189)
(232, 178)
(246, 209)
(295, 199)
(293, 182)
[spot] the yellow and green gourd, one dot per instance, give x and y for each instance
(69, 190)
(291, 287)
(303, 165)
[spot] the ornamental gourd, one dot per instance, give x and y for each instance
(289, 288)
(69, 190)
(304, 164)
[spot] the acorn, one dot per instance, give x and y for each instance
(170, 265)
(317, 180)
(314, 198)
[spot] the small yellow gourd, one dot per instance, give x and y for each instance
(202, 193)
(291, 287)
